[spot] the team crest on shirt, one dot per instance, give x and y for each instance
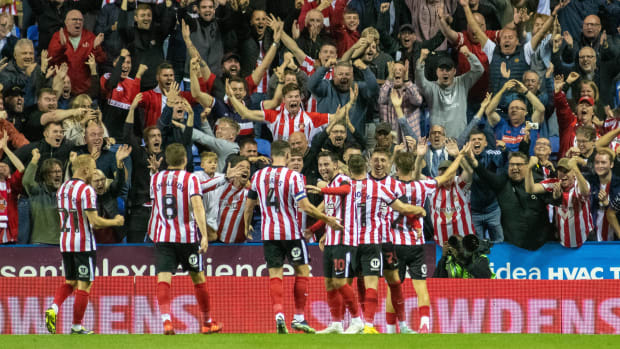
(193, 260)
(375, 263)
(296, 252)
(423, 270)
(85, 44)
(83, 270)
(516, 60)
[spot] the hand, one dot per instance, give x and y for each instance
(390, 68)
(323, 5)
(399, 148)
(549, 72)
(557, 191)
(418, 211)
(3, 63)
(92, 64)
(308, 234)
(505, 72)
(312, 189)
(557, 42)
(558, 83)
(72, 156)
(485, 102)
(525, 16)
(154, 164)
(35, 156)
(572, 77)
(114, 26)
(30, 69)
(248, 232)
(519, 87)
(123, 152)
(359, 64)
(451, 147)
(62, 70)
(98, 40)
(50, 72)
(464, 50)
(562, 4)
(533, 162)
(185, 31)
(604, 42)
(45, 60)
(322, 243)
(500, 144)
(422, 148)
(464, 3)
(509, 85)
(62, 37)
(411, 143)
(384, 7)
(334, 223)
(119, 220)
(567, 38)
(397, 101)
(295, 30)
(173, 93)
(423, 54)
(4, 140)
(136, 100)
(354, 91)
(204, 244)
(142, 68)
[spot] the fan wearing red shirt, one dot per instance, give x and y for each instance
(77, 207)
(289, 117)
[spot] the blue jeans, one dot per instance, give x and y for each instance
(489, 222)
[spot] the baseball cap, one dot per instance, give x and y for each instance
(586, 99)
(14, 91)
(564, 163)
(444, 164)
(445, 62)
(406, 27)
(229, 55)
(383, 127)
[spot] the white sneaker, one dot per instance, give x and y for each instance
(334, 327)
(355, 327)
(406, 330)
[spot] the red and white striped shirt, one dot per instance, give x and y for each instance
(172, 219)
(74, 198)
(282, 124)
(610, 125)
(386, 211)
(450, 210)
(302, 217)
(403, 230)
(307, 66)
(342, 207)
(573, 216)
(603, 231)
(370, 196)
(277, 189)
(230, 223)
(11, 9)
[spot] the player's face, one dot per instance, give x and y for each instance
(209, 165)
(338, 135)
(153, 142)
(479, 143)
(327, 168)
(53, 135)
(602, 164)
(53, 178)
(144, 18)
(165, 79)
(295, 163)
(238, 90)
(379, 163)
(98, 183)
(292, 102)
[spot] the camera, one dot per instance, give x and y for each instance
(533, 125)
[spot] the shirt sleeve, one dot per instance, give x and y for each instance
(89, 199)
(488, 49)
(548, 184)
(528, 52)
(297, 186)
(193, 186)
(386, 194)
(270, 115)
(319, 119)
(430, 186)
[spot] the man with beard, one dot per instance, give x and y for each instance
(107, 196)
(143, 159)
(23, 71)
(511, 131)
(73, 44)
(13, 103)
(93, 139)
(145, 40)
(42, 196)
(602, 182)
(119, 90)
(437, 152)
(16, 138)
(524, 217)
(334, 93)
(373, 57)
(53, 145)
(572, 214)
(447, 97)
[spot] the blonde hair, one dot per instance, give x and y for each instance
(207, 155)
(371, 33)
(81, 161)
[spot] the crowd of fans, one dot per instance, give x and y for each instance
(527, 91)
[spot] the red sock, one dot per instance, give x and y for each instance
(79, 306)
(348, 297)
(390, 318)
(62, 293)
(202, 296)
(370, 307)
(275, 291)
(361, 292)
(334, 300)
(424, 310)
(163, 297)
(396, 294)
(300, 293)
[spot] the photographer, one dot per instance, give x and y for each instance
(465, 258)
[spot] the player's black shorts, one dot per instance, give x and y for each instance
(79, 265)
(338, 261)
(168, 256)
(369, 260)
(412, 257)
(390, 260)
(296, 251)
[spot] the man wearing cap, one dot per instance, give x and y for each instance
(384, 137)
(16, 138)
(447, 97)
(14, 105)
(572, 214)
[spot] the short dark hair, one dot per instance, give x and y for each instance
(328, 42)
(353, 145)
(476, 131)
(350, 11)
(357, 164)
(332, 156)
(143, 7)
(162, 66)
(289, 87)
(175, 154)
(46, 90)
(518, 154)
(280, 148)
(239, 80)
(384, 151)
(245, 141)
(404, 161)
(147, 130)
(297, 154)
(234, 160)
(587, 131)
(53, 123)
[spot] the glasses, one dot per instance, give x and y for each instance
(515, 164)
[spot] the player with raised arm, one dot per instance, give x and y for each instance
(340, 246)
(277, 189)
(177, 214)
(77, 207)
(369, 195)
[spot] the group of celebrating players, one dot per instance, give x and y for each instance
(373, 228)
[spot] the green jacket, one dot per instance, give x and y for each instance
(43, 209)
